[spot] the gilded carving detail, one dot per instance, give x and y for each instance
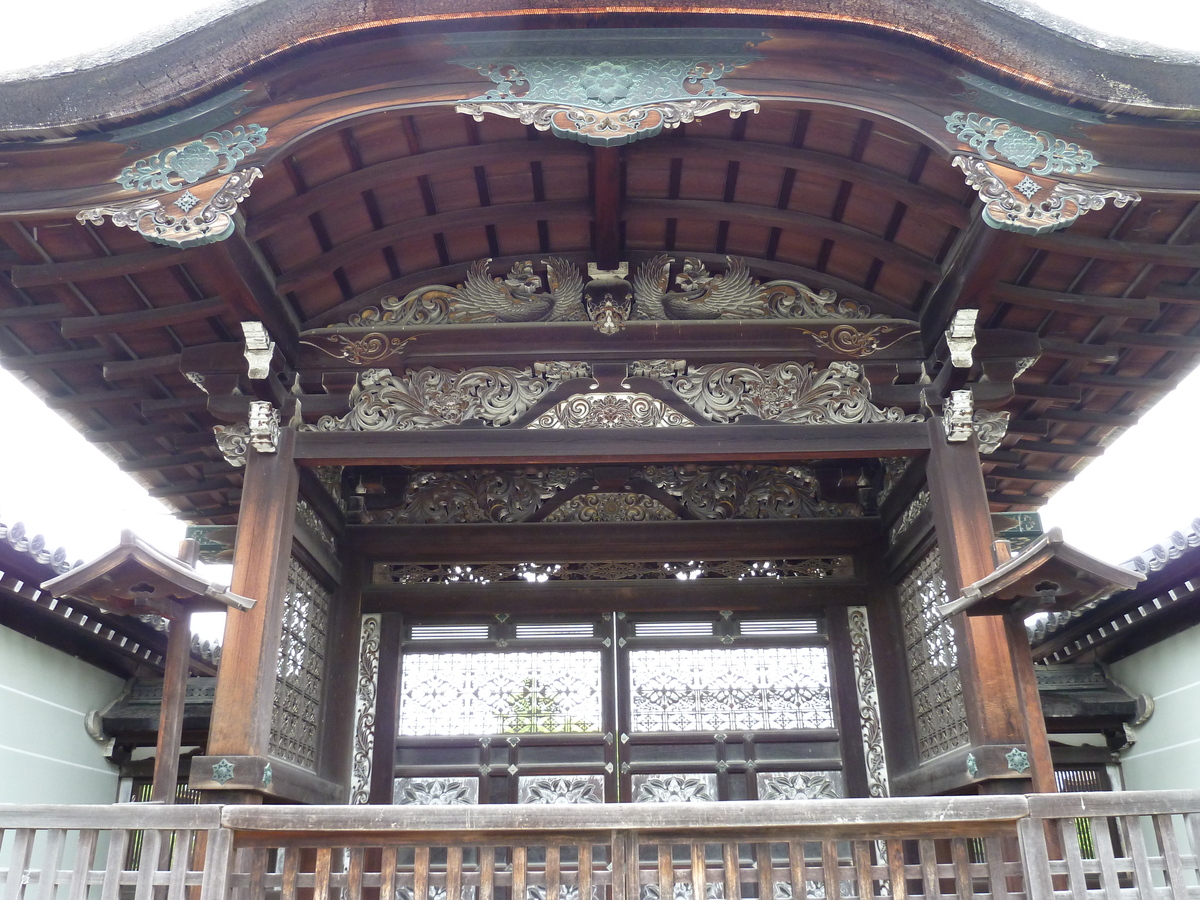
(852, 341)
(793, 393)
(748, 492)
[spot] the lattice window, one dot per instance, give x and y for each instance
(553, 692)
(301, 669)
(932, 651)
(743, 689)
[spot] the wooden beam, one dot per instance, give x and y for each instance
(143, 319)
(606, 197)
(207, 486)
(130, 369)
(641, 595)
(1019, 474)
(1101, 353)
(42, 312)
(1186, 255)
(92, 356)
(169, 461)
(99, 267)
(966, 275)
(1002, 499)
(1076, 304)
(788, 220)
(613, 541)
(347, 188)
(121, 433)
(500, 215)
(190, 404)
(1085, 450)
(1068, 393)
(484, 446)
(1149, 339)
(248, 283)
(1125, 383)
(94, 398)
(1089, 417)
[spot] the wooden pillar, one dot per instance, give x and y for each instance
(174, 695)
(1000, 708)
(241, 717)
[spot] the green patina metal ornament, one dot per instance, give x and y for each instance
(267, 775)
(222, 771)
(972, 765)
(1018, 760)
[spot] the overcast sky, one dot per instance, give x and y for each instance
(1145, 486)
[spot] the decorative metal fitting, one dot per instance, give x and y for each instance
(259, 350)
(972, 765)
(264, 427)
(267, 776)
(222, 771)
(1020, 147)
(1018, 760)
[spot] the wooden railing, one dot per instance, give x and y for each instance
(1056, 847)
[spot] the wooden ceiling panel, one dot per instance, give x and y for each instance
(813, 194)
(650, 177)
(831, 131)
(803, 250)
(758, 184)
(920, 234)
(773, 124)
(866, 210)
(454, 191)
(320, 159)
(346, 221)
(399, 200)
(440, 128)
(851, 263)
(315, 298)
(645, 233)
(510, 181)
(703, 178)
(519, 238)
(467, 245)
(569, 235)
(747, 239)
(498, 128)
(892, 149)
(901, 287)
(371, 270)
(692, 233)
(566, 178)
(417, 254)
(292, 247)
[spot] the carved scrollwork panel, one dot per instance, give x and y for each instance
(868, 702)
(474, 495)
(558, 791)
(616, 410)
(233, 441)
(699, 788)
(747, 492)
(800, 785)
(793, 393)
(611, 507)
(364, 708)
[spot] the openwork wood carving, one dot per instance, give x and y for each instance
(748, 492)
(868, 702)
(434, 398)
(609, 506)
(474, 495)
(486, 573)
(364, 719)
(620, 410)
(295, 717)
(609, 88)
(794, 393)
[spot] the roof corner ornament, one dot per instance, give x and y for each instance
(187, 210)
(259, 350)
(610, 89)
(957, 412)
(960, 338)
(1032, 201)
(264, 427)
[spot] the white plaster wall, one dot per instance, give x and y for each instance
(46, 756)
(1167, 752)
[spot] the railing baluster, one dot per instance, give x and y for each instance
(1068, 836)
(354, 876)
(830, 875)
(1191, 822)
(896, 874)
(51, 860)
(584, 850)
(1039, 885)
(85, 853)
(18, 863)
(421, 876)
(520, 873)
(699, 873)
(218, 862)
(733, 878)
(454, 858)
(321, 873)
(766, 877)
(118, 844)
(1106, 856)
(796, 864)
(1164, 831)
(291, 872)
(929, 876)
(258, 873)
(1143, 879)
(487, 874)
(666, 873)
(179, 864)
(862, 870)
(993, 848)
(963, 887)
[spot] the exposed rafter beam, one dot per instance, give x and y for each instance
(143, 319)
(101, 267)
(1076, 304)
(606, 194)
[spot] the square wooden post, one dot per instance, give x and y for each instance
(241, 717)
(999, 694)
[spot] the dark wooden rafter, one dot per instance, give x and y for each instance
(606, 201)
(142, 320)
(113, 266)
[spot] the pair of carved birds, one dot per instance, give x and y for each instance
(518, 296)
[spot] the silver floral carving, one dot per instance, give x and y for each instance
(474, 495)
(734, 295)
(794, 393)
(748, 492)
(264, 426)
(990, 428)
(233, 441)
(868, 702)
(561, 790)
(607, 506)
(364, 709)
(1020, 147)
(800, 785)
(910, 514)
(894, 468)
(175, 167)
(701, 788)
(434, 398)
(1063, 202)
(607, 88)
(205, 221)
(957, 411)
(617, 410)
(487, 573)
(436, 791)
(306, 514)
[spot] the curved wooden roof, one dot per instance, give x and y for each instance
(373, 186)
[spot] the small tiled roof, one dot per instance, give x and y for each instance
(35, 548)
(1159, 555)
